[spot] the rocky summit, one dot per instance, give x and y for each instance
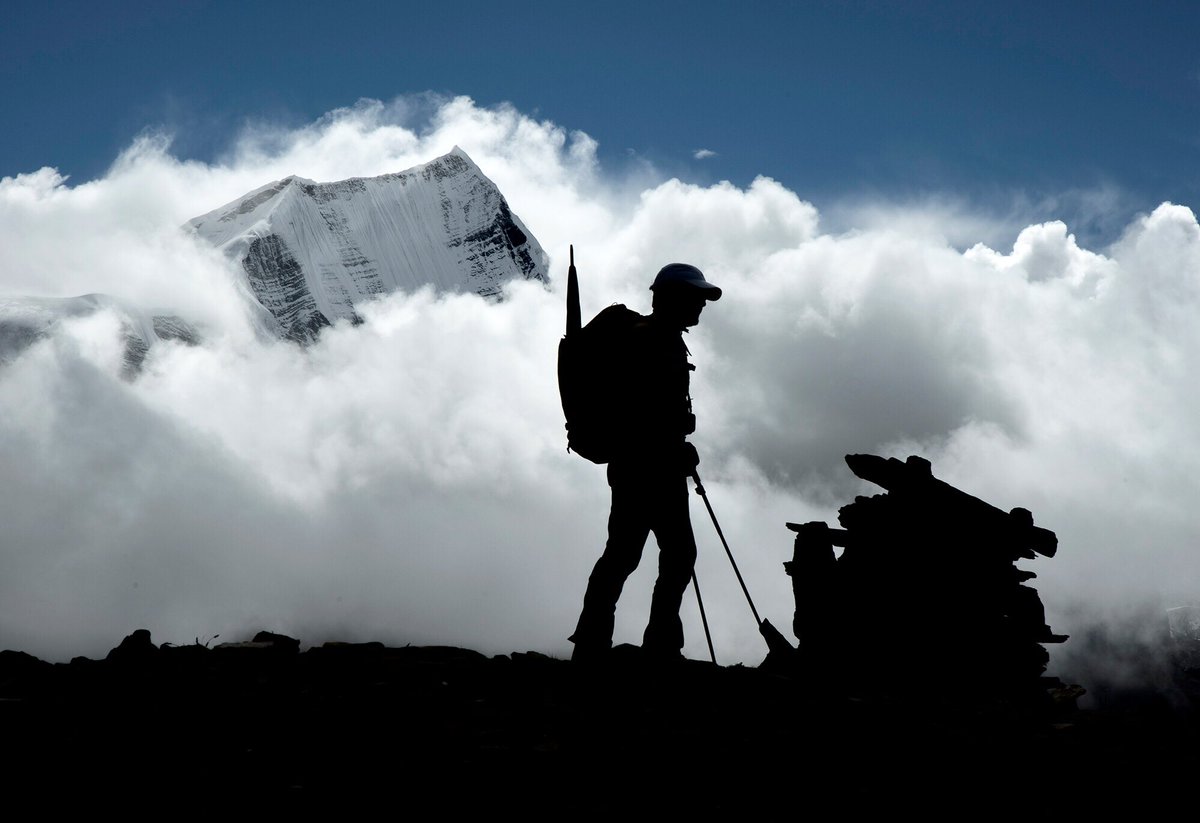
(448, 731)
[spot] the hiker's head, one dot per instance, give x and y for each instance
(680, 292)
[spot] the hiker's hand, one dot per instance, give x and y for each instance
(689, 457)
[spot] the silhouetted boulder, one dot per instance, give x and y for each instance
(263, 643)
(282, 641)
(135, 650)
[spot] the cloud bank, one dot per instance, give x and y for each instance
(406, 479)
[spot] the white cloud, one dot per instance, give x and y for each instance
(703, 154)
(407, 479)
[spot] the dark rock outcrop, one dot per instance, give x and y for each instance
(925, 590)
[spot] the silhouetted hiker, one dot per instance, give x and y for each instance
(649, 467)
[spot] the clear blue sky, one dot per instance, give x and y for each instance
(833, 99)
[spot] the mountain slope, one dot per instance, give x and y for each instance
(312, 251)
(26, 320)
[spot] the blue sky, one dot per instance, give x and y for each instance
(989, 102)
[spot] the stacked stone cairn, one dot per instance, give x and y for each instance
(925, 591)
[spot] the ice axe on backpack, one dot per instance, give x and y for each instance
(776, 642)
(574, 320)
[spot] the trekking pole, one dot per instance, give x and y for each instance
(704, 618)
(775, 640)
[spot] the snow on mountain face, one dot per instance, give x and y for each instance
(26, 320)
(311, 251)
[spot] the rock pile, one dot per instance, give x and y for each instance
(926, 589)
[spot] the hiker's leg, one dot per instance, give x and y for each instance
(628, 528)
(676, 559)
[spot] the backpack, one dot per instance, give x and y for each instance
(589, 382)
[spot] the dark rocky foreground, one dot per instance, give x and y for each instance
(451, 730)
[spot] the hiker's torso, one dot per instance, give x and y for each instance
(657, 413)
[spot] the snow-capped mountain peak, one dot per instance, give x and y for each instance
(311, 251)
